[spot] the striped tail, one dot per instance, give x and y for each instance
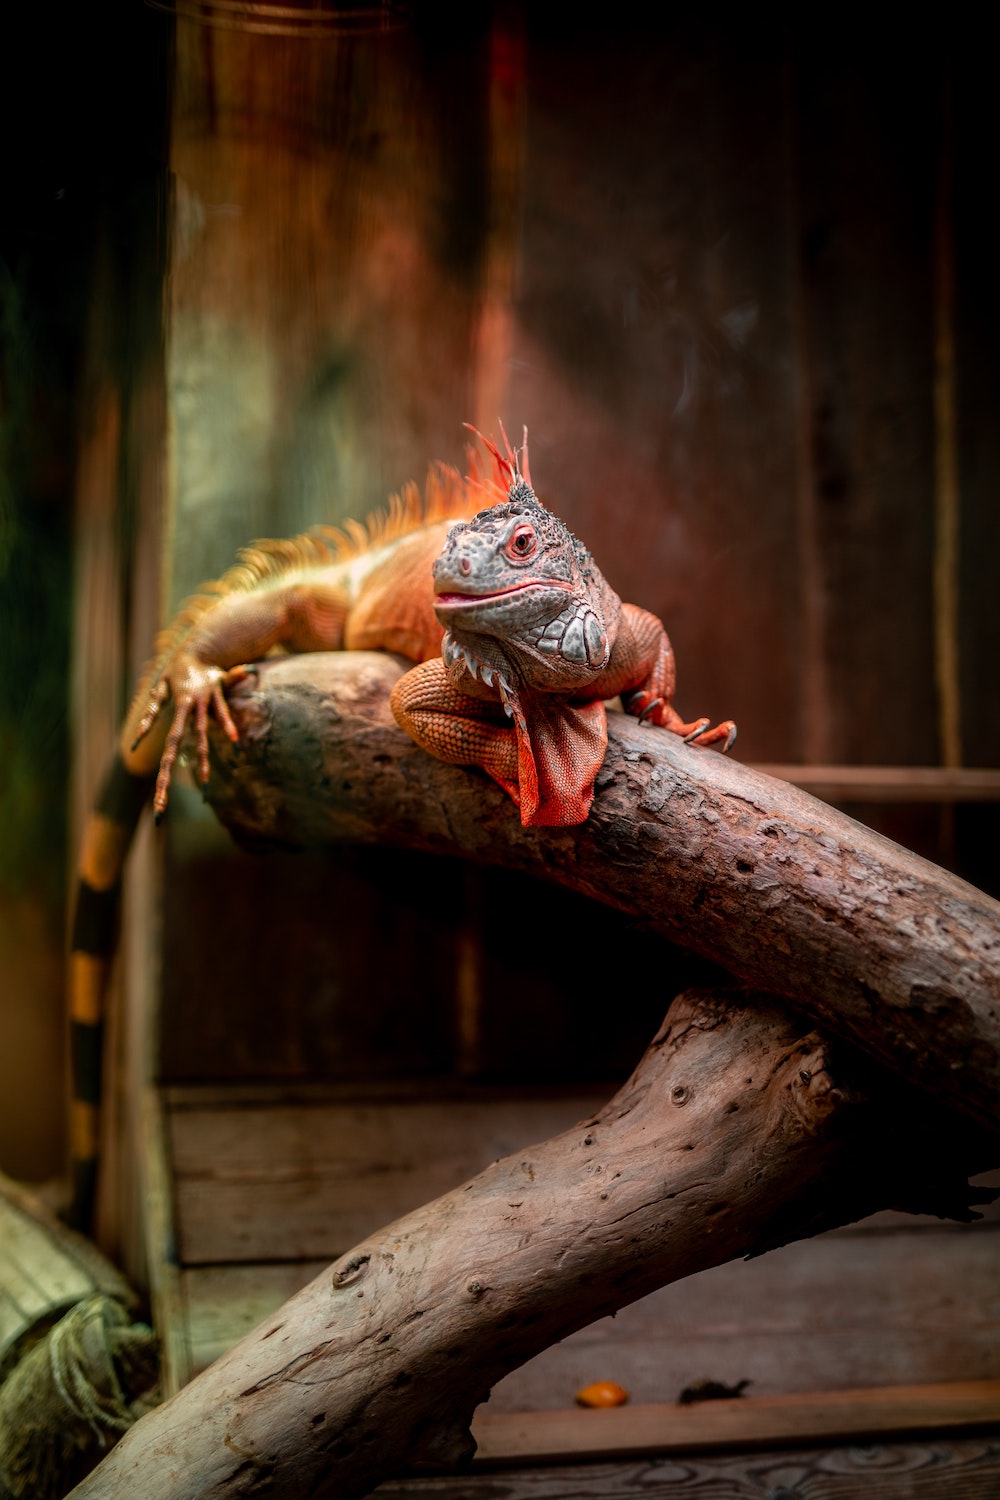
(107, 838)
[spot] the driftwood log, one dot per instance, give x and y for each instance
(742, 1128)
(739, 1130)
(784, 892)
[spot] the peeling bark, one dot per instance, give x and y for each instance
(737, 1131)
(786, 893)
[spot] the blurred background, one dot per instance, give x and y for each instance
(257, 267)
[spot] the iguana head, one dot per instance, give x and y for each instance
(520, 598)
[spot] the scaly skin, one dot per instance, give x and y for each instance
(517, 638)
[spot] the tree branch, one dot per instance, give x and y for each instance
(736, 1132)
(786, 893)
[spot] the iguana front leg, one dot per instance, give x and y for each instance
(642, 672)
(544, 750)
(456, 727)
(300, 616)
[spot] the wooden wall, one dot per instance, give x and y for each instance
(81, 275)
(720, 272)
(724, 275)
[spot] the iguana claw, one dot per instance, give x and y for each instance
(726, 732)
(660, 712)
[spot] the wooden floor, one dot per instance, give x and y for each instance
(966, 1469)
(890, 1326)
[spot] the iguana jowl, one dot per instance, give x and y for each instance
(517, 640)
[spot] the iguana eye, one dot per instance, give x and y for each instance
(522, 543)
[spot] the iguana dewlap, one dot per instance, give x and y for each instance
(517, 640)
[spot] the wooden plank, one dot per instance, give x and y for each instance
(892, 783)
(303, 1181)
(237, 1094)
(977, 313)
(222, 1303)
(297, 1183)
(824, 1416)
(35, 1271)
(307, 1180)
(655, 363)
(968, 1467)
(385, 901)
(165, 1290)
(867, 300)
(836, 1311)
(45, 1268)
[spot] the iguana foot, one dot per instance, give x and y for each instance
(726, 732)
(195, 688)
(723, 735)
(650, 710)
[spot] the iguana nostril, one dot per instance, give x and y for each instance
(464, 566)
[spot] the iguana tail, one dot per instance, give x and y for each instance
(107, 838)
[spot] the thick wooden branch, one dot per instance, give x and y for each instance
(782, 890)
(737, 1131)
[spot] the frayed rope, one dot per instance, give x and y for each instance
(72, 1396)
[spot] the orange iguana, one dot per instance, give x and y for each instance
(518, 641)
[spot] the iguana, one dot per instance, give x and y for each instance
(518, 641)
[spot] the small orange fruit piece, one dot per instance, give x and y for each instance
(602, 1393)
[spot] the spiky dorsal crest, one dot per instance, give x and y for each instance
(513, 468)
(446, 496)
(510, 493)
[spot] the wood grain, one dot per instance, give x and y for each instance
(746, 1422)
(45, 1269)
(286, 1183)
(966, 1469)
(165, 1286)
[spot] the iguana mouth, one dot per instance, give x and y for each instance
(454, 600)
